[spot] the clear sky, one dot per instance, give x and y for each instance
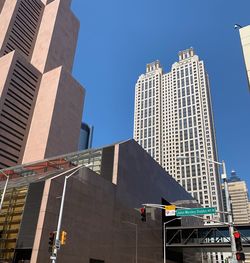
(119, 37)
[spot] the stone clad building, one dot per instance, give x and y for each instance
(40, 102)
(173, 117)
(100, 216)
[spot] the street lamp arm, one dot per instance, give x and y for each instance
(155, 205)
(68, 176)
(63, 173)
(77, 168)
(211, 161)
(177, 218)
(198, 157)
(72, 169)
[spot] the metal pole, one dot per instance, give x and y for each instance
(164, 242)
(230, 217)
(58, 230)
(136, 244)
(228, 205)
(60, 219)
(164, 236)
(4, 190)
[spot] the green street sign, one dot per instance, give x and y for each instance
(196, 211)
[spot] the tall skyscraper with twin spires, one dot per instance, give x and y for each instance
(40, 102)
(173, 117)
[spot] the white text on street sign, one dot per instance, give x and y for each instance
(196, 211)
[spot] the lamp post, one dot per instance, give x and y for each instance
(58, 230)
(4, 190)
(228, 203)
(136, 238)
(164, 236)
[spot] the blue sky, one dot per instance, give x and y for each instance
(119, 37)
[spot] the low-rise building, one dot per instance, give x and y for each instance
(101, 210)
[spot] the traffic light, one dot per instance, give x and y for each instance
(240, 256)
(237, 239)
(52, 236)
(63, 237)
(143, 214)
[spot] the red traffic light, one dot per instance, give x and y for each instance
(240, 256)
(237, 239)
(143, 214)
(236, 234)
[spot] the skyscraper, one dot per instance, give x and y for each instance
(40, 102)
(86, 136)
(239, 199)
(245, 42)
(173, 117)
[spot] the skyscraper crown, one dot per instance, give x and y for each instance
(187, 53)
(153, 66)
(234, 177)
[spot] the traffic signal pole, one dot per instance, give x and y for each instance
(228, 203)
(58, 230)
(164, 236)
(239, 254)
(230, 216)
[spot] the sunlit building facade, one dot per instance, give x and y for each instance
(238, 192)
(173, 117)
(245, 42)
(40, 102)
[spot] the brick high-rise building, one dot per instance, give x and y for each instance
(40, 102)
